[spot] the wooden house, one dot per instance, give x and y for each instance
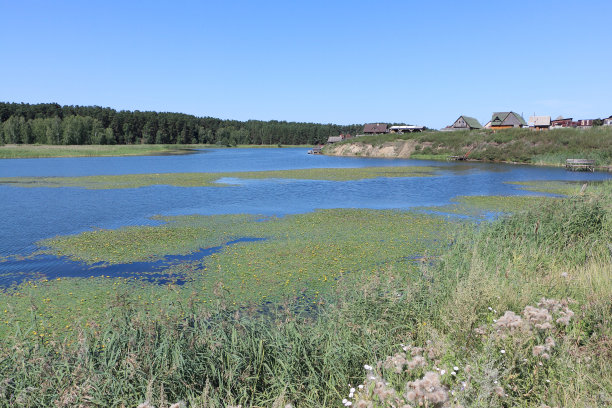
(584, 123)
(539, 122)
(375, 128)
(506, 120)
(608, 121)
(465, 123)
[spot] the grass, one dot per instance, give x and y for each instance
(25, 151)
(38, 151)
(567, 188)
(509, 145)
(212, 179)
(126, 342)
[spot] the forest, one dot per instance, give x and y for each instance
(51, 123)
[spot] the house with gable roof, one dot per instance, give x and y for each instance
(465, 123)
(375, 128)
(539, 122)
(506, 120)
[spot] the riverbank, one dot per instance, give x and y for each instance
(24, 151)
(510, 145)
(513, 313)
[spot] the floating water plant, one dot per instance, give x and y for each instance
(211, 179)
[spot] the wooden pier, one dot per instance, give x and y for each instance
(580, 165)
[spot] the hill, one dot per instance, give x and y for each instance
(509, 145)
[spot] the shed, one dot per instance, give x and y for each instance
(466, 122)
(539, 122)
(334, 139)
(505, 120)
(408, 129)
(562, 122)
(375, 128)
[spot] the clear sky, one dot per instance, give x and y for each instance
(417, 62)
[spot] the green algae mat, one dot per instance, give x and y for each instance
(303, 256)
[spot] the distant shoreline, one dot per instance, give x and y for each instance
(28, 151)
(515, 146)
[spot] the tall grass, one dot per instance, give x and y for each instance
(449, 314)
(22, 151)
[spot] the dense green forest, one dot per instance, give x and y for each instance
(51, 123)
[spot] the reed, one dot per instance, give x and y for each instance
(513, 313)
(21, 151)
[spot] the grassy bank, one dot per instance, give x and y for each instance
(28, 151)
(513, 313)
(39, 151)
(509, 145)
(21, 151)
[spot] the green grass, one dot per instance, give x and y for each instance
(212, 179)
(481, 207)
(38, 151)
(509, 145)
(117, 342)
(567, 188)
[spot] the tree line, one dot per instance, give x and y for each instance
(51, 123)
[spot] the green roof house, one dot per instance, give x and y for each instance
(466, 123)
(504, 120)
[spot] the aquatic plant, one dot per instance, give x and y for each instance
(212, 179)
(477, 319)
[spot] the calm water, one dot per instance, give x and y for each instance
(31, 214)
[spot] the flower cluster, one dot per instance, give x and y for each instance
(544, 349)
(427, 390)
(540, 317)
(420, 388)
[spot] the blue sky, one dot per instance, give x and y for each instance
(329, 61)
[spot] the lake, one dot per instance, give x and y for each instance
(32, 214)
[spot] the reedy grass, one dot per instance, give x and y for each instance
(223, 355)
(39, 151)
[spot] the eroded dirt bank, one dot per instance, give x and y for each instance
(396, 149)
